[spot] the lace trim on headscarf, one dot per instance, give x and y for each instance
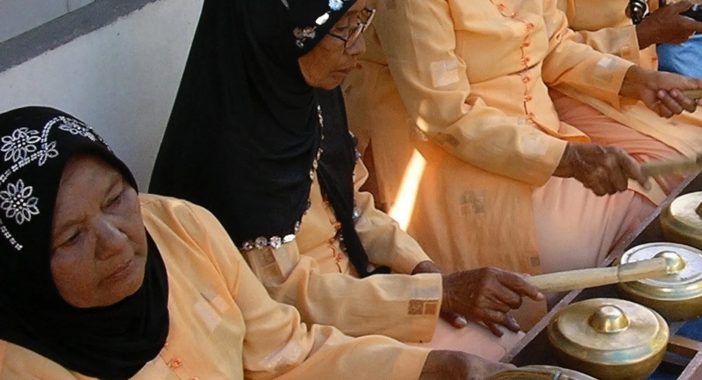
(23, 147)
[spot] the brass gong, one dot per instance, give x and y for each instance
(609, 338)
(681, 221)
(678, 295)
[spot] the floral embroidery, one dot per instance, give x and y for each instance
(76, 128)
(19, 144)
(47, 151)
(18, 202)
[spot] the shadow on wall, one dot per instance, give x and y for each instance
(115, 65)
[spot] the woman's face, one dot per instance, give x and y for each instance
(328, 63)
(98, 241)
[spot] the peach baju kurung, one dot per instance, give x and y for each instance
(314, 274)
(465, 83)
(603, 25)
(223, 325)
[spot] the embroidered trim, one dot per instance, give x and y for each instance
(304, 33)
(276, 242)
(23, 147)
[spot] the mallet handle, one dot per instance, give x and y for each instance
(588, 278)
(680, 165)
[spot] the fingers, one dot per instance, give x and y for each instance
(688, 104)
(454, 319)
(674, 102)
(520, 286)
(494, 320)
(609, 170)
(632, 169)
(669, 107)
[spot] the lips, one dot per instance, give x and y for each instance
(121, 272)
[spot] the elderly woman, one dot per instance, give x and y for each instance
(258, 136)
(98, 281)
(497, 177)
(605, 26)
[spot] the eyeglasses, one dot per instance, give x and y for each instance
(365, 18)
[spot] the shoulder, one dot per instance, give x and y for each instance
(173, 210)
(17, 362)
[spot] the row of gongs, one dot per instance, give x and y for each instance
(626, 338)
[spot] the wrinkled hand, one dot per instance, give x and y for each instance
(660, 91)
(602, 169)
(455, 365)
(454, 319)
(666, 25)
(486, 295)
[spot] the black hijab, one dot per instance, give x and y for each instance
(112, 342)
(246, 130)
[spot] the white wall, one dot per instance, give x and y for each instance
(120, 79)
(19, 16)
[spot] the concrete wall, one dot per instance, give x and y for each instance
(19, 16)
(121, 78)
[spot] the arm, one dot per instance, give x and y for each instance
(277, 344)
(573, 64)
(621, 41)
(400, 306)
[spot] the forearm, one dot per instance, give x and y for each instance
(400, 306)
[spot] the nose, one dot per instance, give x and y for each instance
(110, 239)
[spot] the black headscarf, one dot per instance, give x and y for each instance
(246, 128)
(111, 342)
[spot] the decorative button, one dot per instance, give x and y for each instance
(501, 7)
(526, 44)
(356, 214)
(530, 26)
(261, 242)
(526, 79)
(175, 363)
(528, 98)
(276, 242)
(513, 15)
(525, 60)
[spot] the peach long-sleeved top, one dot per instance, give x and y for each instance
(466, 84)
(313, 273)
(603, 25)
(223, 324)
(474, 74)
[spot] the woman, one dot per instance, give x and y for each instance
(604, 26)
(258, 136)
(100, 282)
(500, 179)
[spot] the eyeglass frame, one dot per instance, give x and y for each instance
(358, 30)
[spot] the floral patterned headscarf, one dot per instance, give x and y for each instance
(107, 342)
